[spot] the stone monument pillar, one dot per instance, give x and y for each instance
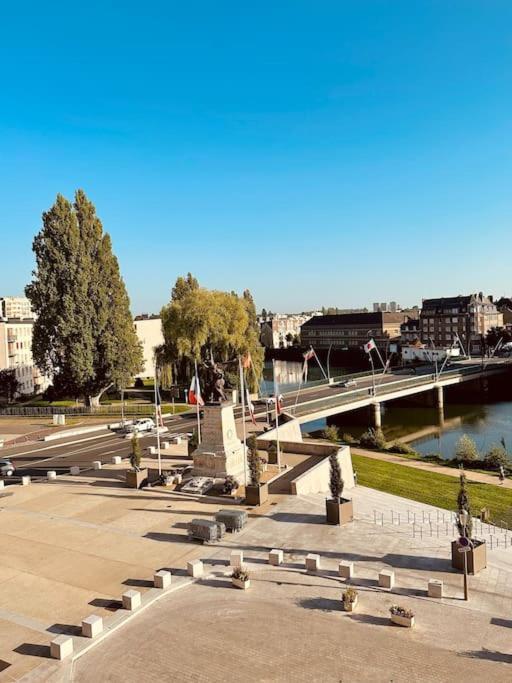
(221, 453)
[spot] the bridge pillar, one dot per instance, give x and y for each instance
(377, 417)
(440, 396)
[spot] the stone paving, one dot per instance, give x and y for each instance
(289, 625)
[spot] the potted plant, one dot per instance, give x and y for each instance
(476, 556)
(256, 493)
(240, 578)
(230, 486)
(136, 477)
(349, 599)
(338, 510)
(401, 616)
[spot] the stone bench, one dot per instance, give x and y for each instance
(61, 647)
(312, 562)
(195, 568)
(131, 600)
(346, 569)
(387, 578)
(435, 588)
(236, 558)
(92, 626)
(162, 579)
(276, 557)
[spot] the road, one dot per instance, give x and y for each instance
(36, 459)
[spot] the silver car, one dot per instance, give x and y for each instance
(7, 469)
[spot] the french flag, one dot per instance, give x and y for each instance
(194, 393)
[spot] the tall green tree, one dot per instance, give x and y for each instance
(84, 337)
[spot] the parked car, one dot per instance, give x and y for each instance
(349, 383)
(145, 424)
(7, 469)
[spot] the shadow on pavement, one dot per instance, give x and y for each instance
(141, 583)
(439, 564)
(506, 623)
(323, 604)
(489, 655)
(33, 650)
(109, 605)
(66, 629)
(370, 619)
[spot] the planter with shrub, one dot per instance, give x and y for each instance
(136, 478)
(256, 493)
(240, 578)
(338, 510)
(349, 599)
(401, 616)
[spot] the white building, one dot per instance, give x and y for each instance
(426, 354)
(150, 334)
(16, 307)
(16, 354)
(280, 329)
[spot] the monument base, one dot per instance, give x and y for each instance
(221, 453)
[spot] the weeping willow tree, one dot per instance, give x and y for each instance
(199, 324)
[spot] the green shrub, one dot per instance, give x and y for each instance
(373, 438)
(331, 433)
(495, 457)
(402, 448)
(348, 438)
(193, 443)
(135, 455)
(466, 450)
(254, 461)
(336, 482)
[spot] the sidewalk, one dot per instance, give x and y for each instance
(431, 467)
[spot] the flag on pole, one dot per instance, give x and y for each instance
(158, 409)
(370, 345)
(250, 405)
(307, 357)
(309, 354)
(194, 393)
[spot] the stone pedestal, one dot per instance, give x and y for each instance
(221, 452)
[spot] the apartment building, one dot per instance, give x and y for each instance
(351, 331)
(468, 318)
(16, 307)
(150, 334)
(16, 354)
(280, 329)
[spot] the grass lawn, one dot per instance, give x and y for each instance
(432, 488)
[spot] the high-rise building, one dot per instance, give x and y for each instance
(376, 307)
(383, 307)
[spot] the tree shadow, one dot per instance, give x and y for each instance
(322, 604)
(489, 655)
(33, 650)
(66, 629)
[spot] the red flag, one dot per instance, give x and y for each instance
(194, 393)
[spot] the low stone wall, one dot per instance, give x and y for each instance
(316, 478)
(289, 430)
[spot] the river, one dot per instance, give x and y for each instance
(485, 415)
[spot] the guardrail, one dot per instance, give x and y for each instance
(45, 411)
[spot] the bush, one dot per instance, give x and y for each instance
(373, 438)
(136, 454)
(402, 448)
(193, 443)
(331, 433)
(139, 383)
(230, 484)
(495, 457)
(254, 461)
(241, 574)
(348, 438)
(401, 611)
(336, 482)
(466, 450)
(349, 595)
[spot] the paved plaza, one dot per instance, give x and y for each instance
(70, 549)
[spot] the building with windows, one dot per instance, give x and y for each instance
(351, 331)
(280, 330)
(468, 318)
(16, 307)
(16, 354)
(150, 334)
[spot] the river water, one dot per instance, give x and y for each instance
(482, 412)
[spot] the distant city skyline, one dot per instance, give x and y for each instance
(319, 154)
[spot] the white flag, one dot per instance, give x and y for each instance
(369, 346)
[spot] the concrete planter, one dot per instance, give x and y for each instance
(135, 480)
(350, 606)
(256, 495)
(477, 557)
(408, 622)
(339, 513)
(243, 585)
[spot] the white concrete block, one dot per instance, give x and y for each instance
(152, 450)
(2, 484)
(131, 600)
(276, 557)
(165, 445)
(435, 588)
(162, 579)
(25, 481)
(387, 578)
(312, 562)
(116, 459)
(236, 558)
(51, 474)
(96, 464)
(74, 470)
(346, 569)
(92, 626)
(177, 440)
(178, 479)
(195, 568)
(61, 647)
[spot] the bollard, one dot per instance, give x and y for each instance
(51, 474)
(131, 600)
(116, 459)
(25, 481)
(92, 626)
(312, 562)
(74, 470)
(61, 647)
(435, 588)
(96, 464)
(162, 579)
(1, 484)
(375, 516)
(276, 557)
(236, 559)
(346, 569)
(195, 568)
(387, 578)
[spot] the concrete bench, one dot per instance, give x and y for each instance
(92, 626)
(346, 569)
(131, 600)
(61, 647)
(312, 562)
(236, 558)
(116, 459)
(25, 481)
(96, 465)
(435, 588)
(195, 568)
(51, 474)
(74, 470)
(162, 579)
(276, 557)
(387, 578)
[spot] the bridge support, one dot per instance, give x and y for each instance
(377, 417)
(440, 396)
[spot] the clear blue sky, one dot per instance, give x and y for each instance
(316, 152)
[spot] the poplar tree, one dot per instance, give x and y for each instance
(84, 338)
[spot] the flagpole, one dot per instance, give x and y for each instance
(320, 365)
(196, 391)
(157, 425)
(244, 435)
(277, 417)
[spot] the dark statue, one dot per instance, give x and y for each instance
(215, 381)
